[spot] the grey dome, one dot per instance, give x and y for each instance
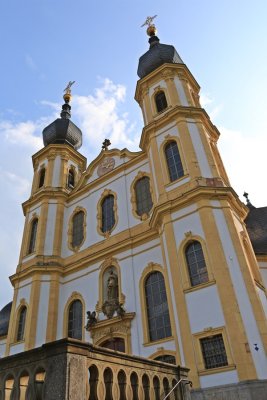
(4, 319)
(157, 55)
(63, 130)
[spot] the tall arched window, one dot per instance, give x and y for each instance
(75, 320)
(157, 307)
(71, 178)
(21, 323)
(161, 102)
(77, 229)
(108, 217)
(143, 196)
(196, 263)
(41, 177)
(33, 235)
(174, 162)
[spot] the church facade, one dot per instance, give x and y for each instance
(149, 254)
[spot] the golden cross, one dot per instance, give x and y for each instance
(148, 21)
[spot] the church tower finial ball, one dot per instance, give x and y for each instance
(151, 29)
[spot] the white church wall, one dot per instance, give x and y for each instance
(204, 309)
(24, 292)
(263, 271)
(186, 223)
(152, 88)
(242, 296)
(181, 92)
(50, 227)
(56, 172)
(199, 149)
(42, 318)
(16, 348)
(2, 347)
(222, 378)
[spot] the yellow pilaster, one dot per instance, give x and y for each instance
(234, 324)
(188, 150)
(41, 233)
(30, 334)
(58, 229)
(249, 282)
(50, 169)
(186, 336)
(13, 322)
(174, 96)
(51, 330)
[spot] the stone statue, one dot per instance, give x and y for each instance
(112, 286)
(91, 319)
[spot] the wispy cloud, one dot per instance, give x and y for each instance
(30, 63)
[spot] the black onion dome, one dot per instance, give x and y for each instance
(157, 55)
(63, 130)
(4, 319)
(256, 223)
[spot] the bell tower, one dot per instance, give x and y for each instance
(57, 168)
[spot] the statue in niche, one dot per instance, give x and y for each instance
(112, 304)
(112, 286)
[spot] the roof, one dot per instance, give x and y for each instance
(4, 319)
(157, 55)
(256, 223)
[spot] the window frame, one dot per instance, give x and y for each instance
(189, 265)
(105, 193)
(75, 318)
(21, 338)
(70, 229)
(141, 175)
(74, 296)
(167, 139)
(169, 142)
(200, 362)
(152, 267)
(160, 91)
(31, 248)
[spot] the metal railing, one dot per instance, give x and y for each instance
(186, 381)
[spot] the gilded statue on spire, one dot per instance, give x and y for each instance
(151, 29)
(67, 90)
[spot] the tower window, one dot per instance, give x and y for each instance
(196, 263)
(161, 102)
(21, 323)
(77, 229)
(143, 196)
(108, 217)
(41, 177)
(71, 178)
(75, 320)
(213, 351)
(157, 307)
(33, 235)
(174, 162)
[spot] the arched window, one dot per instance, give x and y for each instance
(166, 386)
(134, 385)
(108, 379)
(161, 102)
(77, 228)
(71, 178)
(174, 162)
(196, 263)
(108, 217)
(116, 344)
(33, 235)
(41, 177)
(157, 307)
(75, 320)
(21, 323)
(167, 358)
(143, 196)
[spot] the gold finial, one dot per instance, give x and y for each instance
(151, 29)
(67, 90)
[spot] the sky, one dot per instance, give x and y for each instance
(46, 43)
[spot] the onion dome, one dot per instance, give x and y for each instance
(63, 130)
(157, 54)
(4, 319)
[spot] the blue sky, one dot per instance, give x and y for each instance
(46, 43)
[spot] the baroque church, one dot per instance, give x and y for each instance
(141, 275)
